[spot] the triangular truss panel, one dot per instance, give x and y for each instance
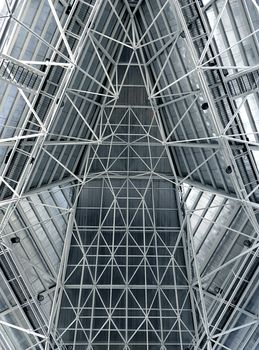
(127, 254)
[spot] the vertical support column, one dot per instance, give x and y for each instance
(192, 255)
(61, 277)
(187, 257)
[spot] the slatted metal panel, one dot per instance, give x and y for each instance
(221, 90)
(45, 98)
(246, 83)
(19, 75)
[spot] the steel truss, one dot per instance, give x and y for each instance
(135, 270)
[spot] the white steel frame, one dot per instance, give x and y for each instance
(206, 334)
